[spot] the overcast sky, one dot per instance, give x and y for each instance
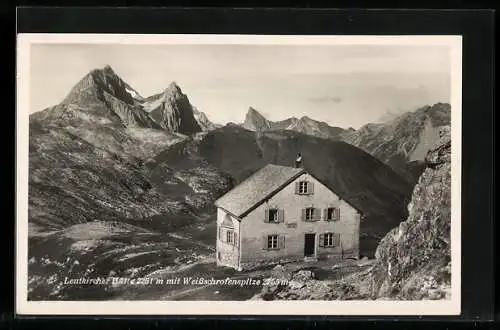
(341, 85)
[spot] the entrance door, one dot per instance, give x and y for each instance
(309, 244)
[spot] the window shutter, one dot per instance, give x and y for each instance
(281, 243)
(310, 188)
(281, 215)
(235, 239)
(303, 215)
(317, 214)
(321, 240)
(296, 188)
(264, 240)
(336, 239)
(325, 214)
(266, 216)
(337, 213)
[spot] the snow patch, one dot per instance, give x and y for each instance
(133, 93)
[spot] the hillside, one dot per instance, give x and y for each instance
(402, 142)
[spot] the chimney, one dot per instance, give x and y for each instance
(298, 161)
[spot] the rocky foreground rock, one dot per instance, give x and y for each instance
(414, 258)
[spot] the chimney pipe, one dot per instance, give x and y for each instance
(298, 161)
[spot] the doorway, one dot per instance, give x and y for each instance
(309, 244)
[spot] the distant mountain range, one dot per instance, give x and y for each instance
(404, 141)
(254, 121)
(401, 140)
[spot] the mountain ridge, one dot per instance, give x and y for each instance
(403, 141)
(255, 121)
(103, 97)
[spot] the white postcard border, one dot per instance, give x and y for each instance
(385, 307)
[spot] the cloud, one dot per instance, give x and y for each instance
(326, 99)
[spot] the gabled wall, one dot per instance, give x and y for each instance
(227, 254)
(254, 229)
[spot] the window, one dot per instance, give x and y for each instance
(332, 214)
(331, 240)
(310, 213)
(230, 237)
(272, 241)
(273, 215)
(303, 187)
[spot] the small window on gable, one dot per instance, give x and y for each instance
(303, 187)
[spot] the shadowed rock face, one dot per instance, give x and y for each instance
(413, 260)
(174, 112)
(403, 142)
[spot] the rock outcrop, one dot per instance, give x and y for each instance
(413, 260)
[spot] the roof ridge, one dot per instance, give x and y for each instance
(257, 187)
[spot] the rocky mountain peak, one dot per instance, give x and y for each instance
(173, 90)
(107, 68)
(255, 121)
(173, 111)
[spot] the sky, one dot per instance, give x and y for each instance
(343, 85)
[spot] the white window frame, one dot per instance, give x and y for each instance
(309, 213)
(303, 187)
(328, 240)
(273, 242)
(230, 237)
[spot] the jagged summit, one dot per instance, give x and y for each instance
(107, 67)
(173, 86)
(255, 121)
(100, 96)
(172, 110)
